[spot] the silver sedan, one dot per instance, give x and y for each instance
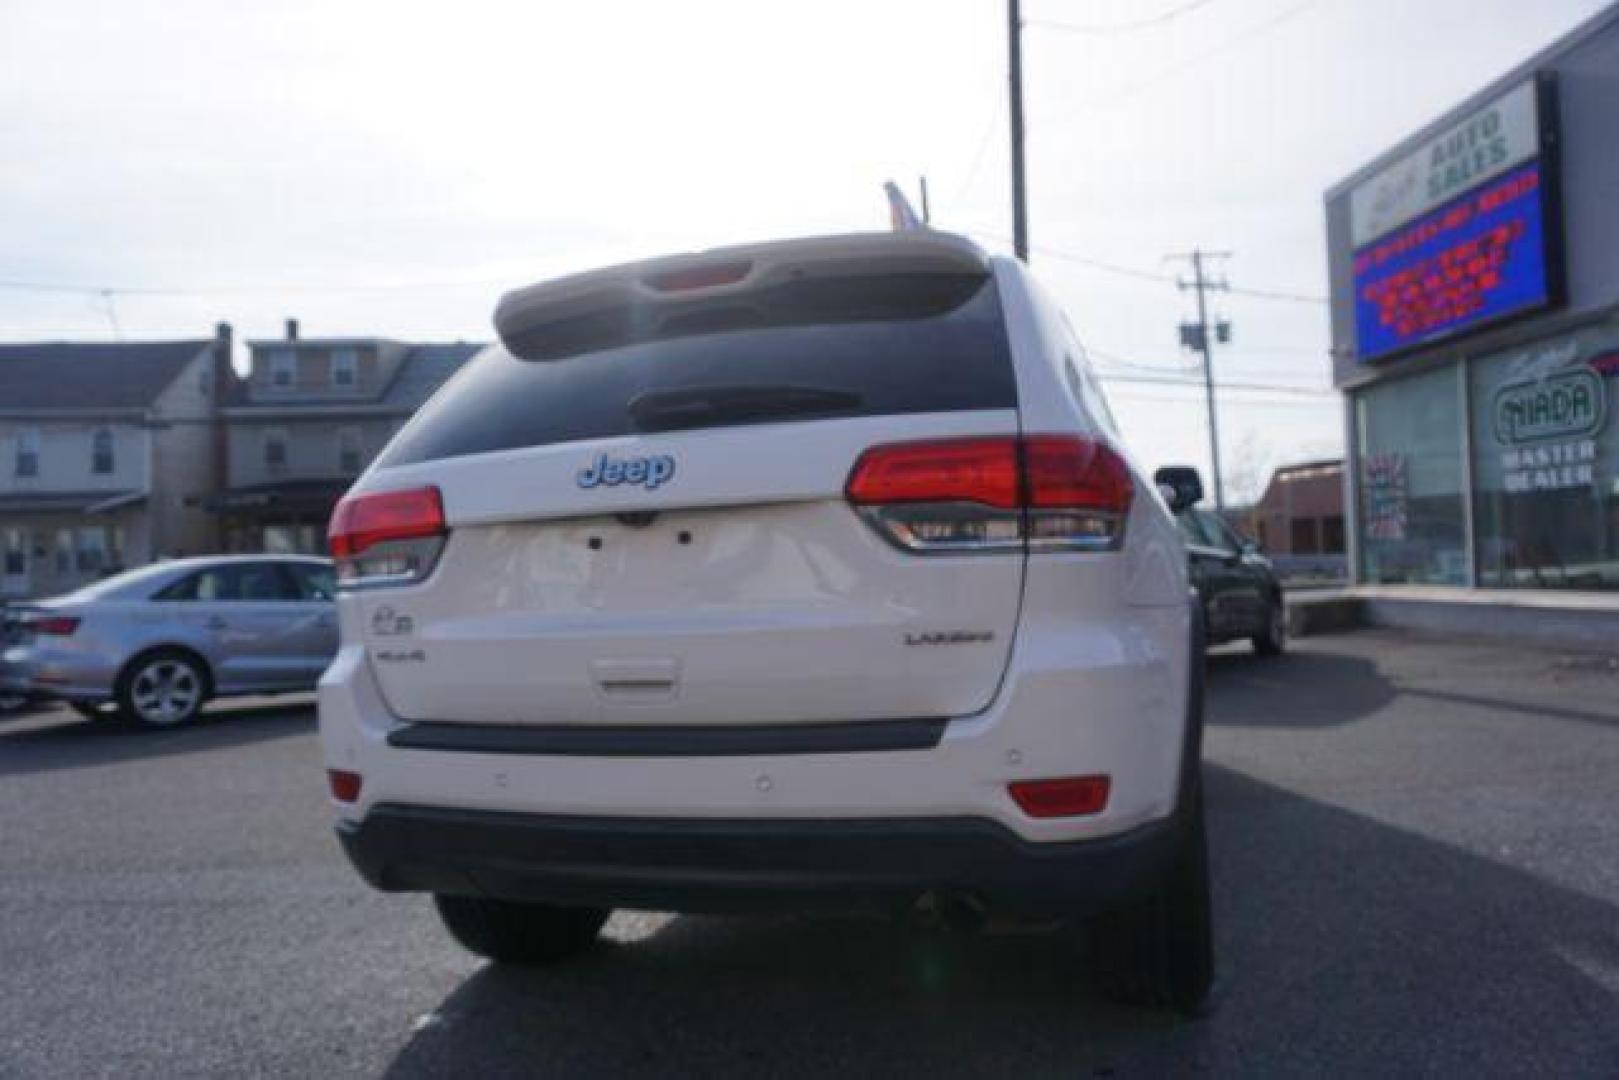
(156, 643)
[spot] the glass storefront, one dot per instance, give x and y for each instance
(1408, 439)
(1546, 463)
(1544, 469)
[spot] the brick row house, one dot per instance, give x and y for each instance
(115, 455)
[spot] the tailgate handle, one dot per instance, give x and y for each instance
(636, 678)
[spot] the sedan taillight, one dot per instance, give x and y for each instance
(1004, 493)
(387, 538)
(51, 625)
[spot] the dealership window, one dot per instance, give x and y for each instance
(64, 551)
(1408, 439)
(349, 455)
(275, 449)
(26, 461)
(345, 365)
(102, 461)
(283, 368)
(1546, 463)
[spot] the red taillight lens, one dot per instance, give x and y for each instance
(1049, 492)
(949, 470)
(1068, 472)
(390, 537)
(345, 785)
(1069, 796)
(364, 521)
(52, 625)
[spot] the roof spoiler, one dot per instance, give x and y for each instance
(542, 321)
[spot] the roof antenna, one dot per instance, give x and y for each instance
(112, 313)
(902, 216)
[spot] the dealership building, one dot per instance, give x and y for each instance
(1474, 273)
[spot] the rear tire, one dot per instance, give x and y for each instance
(1160, 954)
(1272, 641)
(528, 935)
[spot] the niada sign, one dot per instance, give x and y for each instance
(1563, 405)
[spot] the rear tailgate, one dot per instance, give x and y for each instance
(650, 527)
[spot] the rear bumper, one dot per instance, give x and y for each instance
(708, 865)
(38, 673)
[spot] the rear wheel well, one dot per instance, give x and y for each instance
(150, 651)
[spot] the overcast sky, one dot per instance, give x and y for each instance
(390, 168)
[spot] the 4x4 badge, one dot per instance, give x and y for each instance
(649, 472)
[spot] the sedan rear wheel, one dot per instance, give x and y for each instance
(162, 689)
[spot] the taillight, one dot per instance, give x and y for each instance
(389, 538)
(51, 625)
(1005, 493)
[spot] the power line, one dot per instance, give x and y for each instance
(1107, 29)
(1139, 274)
(978, 155)
(1276, 294)
(245, 290)
(1239, 403)
(1180, 67)
(1197, 384)
(1135, 365)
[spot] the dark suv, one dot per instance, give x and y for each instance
(1241, 594)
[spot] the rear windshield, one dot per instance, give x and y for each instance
(806, 350)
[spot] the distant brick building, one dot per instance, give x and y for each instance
(1302, 510)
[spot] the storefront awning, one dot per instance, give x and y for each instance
(291, 495)
(68, 502)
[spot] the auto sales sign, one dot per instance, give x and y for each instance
(1461, 232)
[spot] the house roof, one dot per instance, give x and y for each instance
(421, 370)
(99, 375)
(424, 369)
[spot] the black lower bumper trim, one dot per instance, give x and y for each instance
(682, 740)
(699, 865)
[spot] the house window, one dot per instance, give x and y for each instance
(283, 369)
(1332, 535)
(1305, 539)
(27, 459)
(275, 449)
(345, 366)
(91, 549)
(348, 451)
(101, 453)
(16, 552)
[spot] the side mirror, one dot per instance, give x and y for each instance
(1180, 486)
(1250, 547)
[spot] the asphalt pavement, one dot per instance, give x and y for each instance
(1416, 857)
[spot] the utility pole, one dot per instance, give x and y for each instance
(1195, 336)
(1020, 213)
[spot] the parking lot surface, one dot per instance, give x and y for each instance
(1416, 854)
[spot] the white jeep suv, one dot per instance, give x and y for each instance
(808, 575)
